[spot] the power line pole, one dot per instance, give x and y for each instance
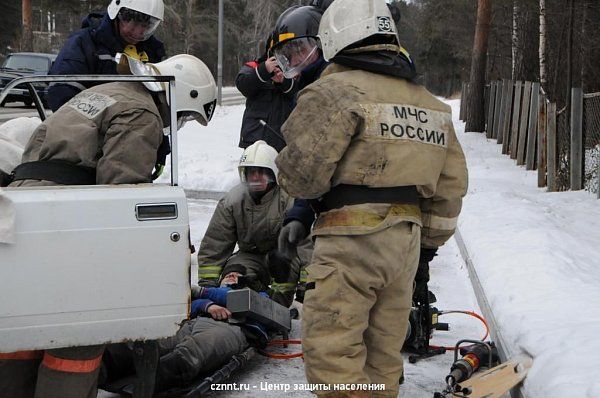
(220, 55)
(27, 32)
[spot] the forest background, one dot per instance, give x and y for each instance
(438, 34)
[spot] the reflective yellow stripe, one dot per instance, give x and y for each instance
(363, 218)
(286, 36)
(282, 287)
(209, 276)
(303, 275)
(209, 271)
(443, 223)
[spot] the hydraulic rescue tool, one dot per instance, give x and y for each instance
(423, 320)
(474, 357)
(467, 379)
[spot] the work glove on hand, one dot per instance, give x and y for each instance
(279, 266)
(291, 234)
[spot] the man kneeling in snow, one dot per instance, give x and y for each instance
(251, 216)
(203, 344)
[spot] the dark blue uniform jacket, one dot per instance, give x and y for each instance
(91, 50)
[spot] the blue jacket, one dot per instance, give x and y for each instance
(91, 50)
(209, 296)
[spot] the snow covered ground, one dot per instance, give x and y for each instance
(537, 255)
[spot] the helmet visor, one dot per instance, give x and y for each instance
(257, 179)
(135, 26)
(186, 116)
(294, 55)
(131, 66)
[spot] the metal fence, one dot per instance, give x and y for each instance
(563, 146)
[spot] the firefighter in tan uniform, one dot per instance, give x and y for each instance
(250, 215)
(380, 154)
(108, 134)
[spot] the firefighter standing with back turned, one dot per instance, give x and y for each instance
(380, 153)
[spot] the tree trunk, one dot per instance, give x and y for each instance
(27, 36)
(569, 58)
(591, 44)
(514, 39)
(543, 69)
(475, 109)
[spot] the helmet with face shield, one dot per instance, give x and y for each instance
(195, 86)
(139, 16)
(295, 44)
(257, 167)
(347, 23)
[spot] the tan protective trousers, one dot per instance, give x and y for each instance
(355, 319)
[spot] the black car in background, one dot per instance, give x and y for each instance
(25, 64)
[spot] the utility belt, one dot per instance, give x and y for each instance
(345, 195)
(60, 172)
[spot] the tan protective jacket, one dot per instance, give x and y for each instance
(115, 128)
(238, 219)
(360, 128)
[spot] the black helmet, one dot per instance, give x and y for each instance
(395, 10)
(322, 4)
(296, 22)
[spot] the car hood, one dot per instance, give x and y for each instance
(13, 74)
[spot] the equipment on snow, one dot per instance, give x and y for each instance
(423, 320)
(474, 357)
(246, 304)
(494, 382)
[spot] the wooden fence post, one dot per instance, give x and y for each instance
(541, 145)
(490, 111)
(514, 130)
(523, 128)
(498, 132)
(503, 137)
(576, 138)
(461, 114)
(532, 130)
(496, 109)
(551, 147)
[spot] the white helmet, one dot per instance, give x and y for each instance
(195, 86)
(259, 154)
(346, 22)
(153, 8)
(146, 14)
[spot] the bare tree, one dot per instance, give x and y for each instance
(542, 52)
(526, 37)
(476, 114)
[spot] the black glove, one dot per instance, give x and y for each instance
(279, 266)
(421, 292)
(427, 254)
(290, 235)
